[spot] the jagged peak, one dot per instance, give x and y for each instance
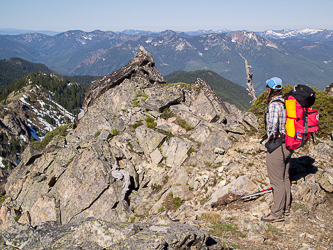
(144, 55)
(142, 65)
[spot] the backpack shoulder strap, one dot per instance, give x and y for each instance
(279, 101)
(306, 126)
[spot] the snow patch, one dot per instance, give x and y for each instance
(292, 33)
(271, 45)
(249, 35)
(42, 103)
(87, 38)
(180, 46)
(1, 164)
(52, 110)
(24, 102)
(24, 138)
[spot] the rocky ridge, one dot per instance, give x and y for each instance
(144, 152)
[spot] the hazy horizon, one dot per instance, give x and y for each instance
(156, 16)
(13, 31)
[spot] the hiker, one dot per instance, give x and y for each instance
(278, 156)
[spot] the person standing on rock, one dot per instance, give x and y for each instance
(278, 156)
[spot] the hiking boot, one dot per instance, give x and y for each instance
(268, 218)
(287, 211)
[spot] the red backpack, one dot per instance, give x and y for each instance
(302, 120)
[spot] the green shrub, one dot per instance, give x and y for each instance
(136, 103)
(219, 228)
(182, 84)
(151, 125)
(61, 130)
(156, 187)
(151, 122)
(165, 179)
(2, 200)
(190, 151)
(97, 133)
(115, 131)
(183, 124)
(137, 124)
(172, 203)
(167, 113)
(149, 119)
(16, 218)
(323, 103)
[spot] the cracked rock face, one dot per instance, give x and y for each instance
(130, 156)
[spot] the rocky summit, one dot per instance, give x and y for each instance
(149, 166)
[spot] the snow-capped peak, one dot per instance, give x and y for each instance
(286, 33)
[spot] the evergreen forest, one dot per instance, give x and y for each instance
(61, 90)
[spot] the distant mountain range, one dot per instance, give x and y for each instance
(297, 56)
(21, 31)
(277, 34)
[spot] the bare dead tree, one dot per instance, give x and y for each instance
(249, 83)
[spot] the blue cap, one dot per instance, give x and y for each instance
(274, 83)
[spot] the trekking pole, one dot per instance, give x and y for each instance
(245, 197)
(268, 190)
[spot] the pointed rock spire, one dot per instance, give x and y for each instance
(143, 65)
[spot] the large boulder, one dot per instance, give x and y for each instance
(241, 185)
(175, 151)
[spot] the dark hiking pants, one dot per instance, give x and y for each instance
(278, 172)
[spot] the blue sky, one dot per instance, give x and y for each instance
(159, 15)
